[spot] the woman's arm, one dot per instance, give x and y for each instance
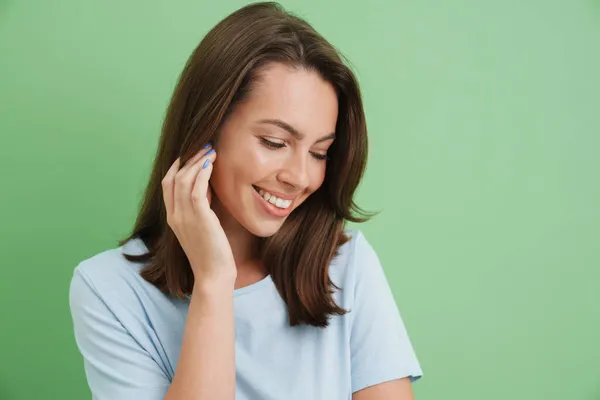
(119, 363)
(206, 368)
(398, 389)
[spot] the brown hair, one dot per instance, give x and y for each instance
(219, 75)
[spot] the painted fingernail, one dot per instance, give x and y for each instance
(205, 164)
(206, 146)
(210, 152)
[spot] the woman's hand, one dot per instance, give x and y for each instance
(187, 198)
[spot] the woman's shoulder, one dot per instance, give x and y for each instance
(355, 246)
(110, 276)
(111, 264)
(351, 255)
(109, 300)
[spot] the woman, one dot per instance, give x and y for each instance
(239, 279)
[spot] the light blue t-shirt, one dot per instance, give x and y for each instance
(130, 333)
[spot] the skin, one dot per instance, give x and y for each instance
(217, 217)
(308, 104)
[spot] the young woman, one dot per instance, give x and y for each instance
(239, 279)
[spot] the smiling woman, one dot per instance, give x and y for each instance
(268, 143)
(239, 278)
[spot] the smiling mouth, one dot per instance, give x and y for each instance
(273, 200)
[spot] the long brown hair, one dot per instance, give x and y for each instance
(219, 75)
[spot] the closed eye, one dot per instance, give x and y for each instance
(273, 145)
(320, 157)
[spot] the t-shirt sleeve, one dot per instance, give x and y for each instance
(116, 366)
(380, 347)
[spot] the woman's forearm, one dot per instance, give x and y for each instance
(206, 367)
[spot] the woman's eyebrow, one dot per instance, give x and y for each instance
(293, 131)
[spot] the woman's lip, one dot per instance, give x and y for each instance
(270, 208)
(277, 194)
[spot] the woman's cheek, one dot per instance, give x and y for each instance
(317, 178)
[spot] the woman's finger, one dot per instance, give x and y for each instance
(197, 156)
(200, 191)
(184, 184)
(168, 183)
(209, 192)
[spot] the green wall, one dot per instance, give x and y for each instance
(484, 122)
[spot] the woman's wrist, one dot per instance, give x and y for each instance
(214, 287)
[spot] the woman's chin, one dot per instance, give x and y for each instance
(265, 229)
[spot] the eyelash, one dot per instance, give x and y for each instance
(273, 145)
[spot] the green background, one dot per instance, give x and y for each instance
(485, 159)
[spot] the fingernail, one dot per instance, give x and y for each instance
(205, 164)
(206, 146)
(210, 152)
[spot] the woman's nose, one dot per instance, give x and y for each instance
(295, 172)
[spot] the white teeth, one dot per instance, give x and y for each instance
(277, 202)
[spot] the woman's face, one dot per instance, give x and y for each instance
(273, 146)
